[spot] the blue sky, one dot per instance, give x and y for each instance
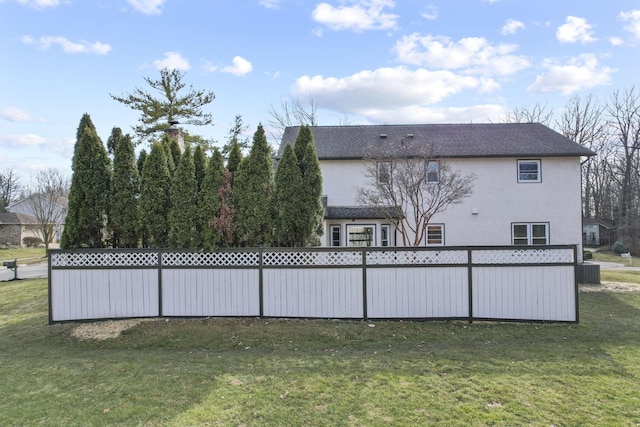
(361, 61)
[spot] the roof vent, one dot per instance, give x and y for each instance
(383, 136)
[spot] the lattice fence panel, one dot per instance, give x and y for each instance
(301, 258)
(522, 256)
(104, 259)
(417, 257)
(210, 259)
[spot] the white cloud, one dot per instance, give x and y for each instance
(361, 15)
(22, 141)
(430, 12)
(172, 61)
(633, 19)
(386, 88)
(422, 114)
(240, 67)
(472, 54)
(40, 4)
(14, 114)
(67, 45)
(271, 4)
(575, 30)
(616, 41)
(579, 73)
(512, 26)
(148, 7)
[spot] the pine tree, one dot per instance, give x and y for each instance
(113, 140)
(184, 211)
(172, 163)
(253, 189)
(123, 202)
(89, 192)
(155, 201)
(288, 205)
(210, 201)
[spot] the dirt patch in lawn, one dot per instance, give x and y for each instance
(99, 331)
(611, 287)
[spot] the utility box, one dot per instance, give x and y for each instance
(588, 274)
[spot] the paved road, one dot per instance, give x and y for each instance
(30, 271)
(634, 266)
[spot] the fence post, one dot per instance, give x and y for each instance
(261, 280)
(159, 282)
(364, 284)
(470, 283)
(575, 279)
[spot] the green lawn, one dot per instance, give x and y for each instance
(24, 255)
(260, 372)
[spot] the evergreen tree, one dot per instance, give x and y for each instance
(89, 192)
(200, 166)
(123, 202)
(224, 223)
(176, 153)
(288, 205)
(313, 209)
(235, 158)
(252, 190)
(141, 158)
(155, 201)
(210, 201)
(172, 163)
(172, 105)
(184, 211)
(113, 140)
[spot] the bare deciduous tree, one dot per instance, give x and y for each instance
(47, 201)
(417, 184)
(291, 113)
(537, 114)
(583, 121)
(9, 188)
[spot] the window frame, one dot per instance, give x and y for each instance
(384, 167)
(332, 229)
(385, 235)
(538, 172)
(426, 235)
(436, 166)
(530, 234)
(371, 241)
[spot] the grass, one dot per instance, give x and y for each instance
(268, 372)
(623, 276)
(23, 255)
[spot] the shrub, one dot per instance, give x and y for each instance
(619, 248)
(32, 242)
(587, 255)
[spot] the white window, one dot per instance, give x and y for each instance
(384, 172)
(433, 169)
(385, 235)
(536, 233)
(529, 171)
(435, 234)
(360, 235)
(335, 235)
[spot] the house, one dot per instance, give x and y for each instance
(27, 210)
(526, 185)
(16, 227)
(597, 231)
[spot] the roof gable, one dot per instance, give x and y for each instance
(448, 140)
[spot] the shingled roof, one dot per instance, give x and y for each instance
(448, 140)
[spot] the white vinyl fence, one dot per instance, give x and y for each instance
(470, 283)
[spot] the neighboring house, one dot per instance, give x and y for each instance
(597, 232)
(41, 207)
(527, 188)
(15, 227)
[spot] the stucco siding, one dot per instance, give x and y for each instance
(498, 200)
